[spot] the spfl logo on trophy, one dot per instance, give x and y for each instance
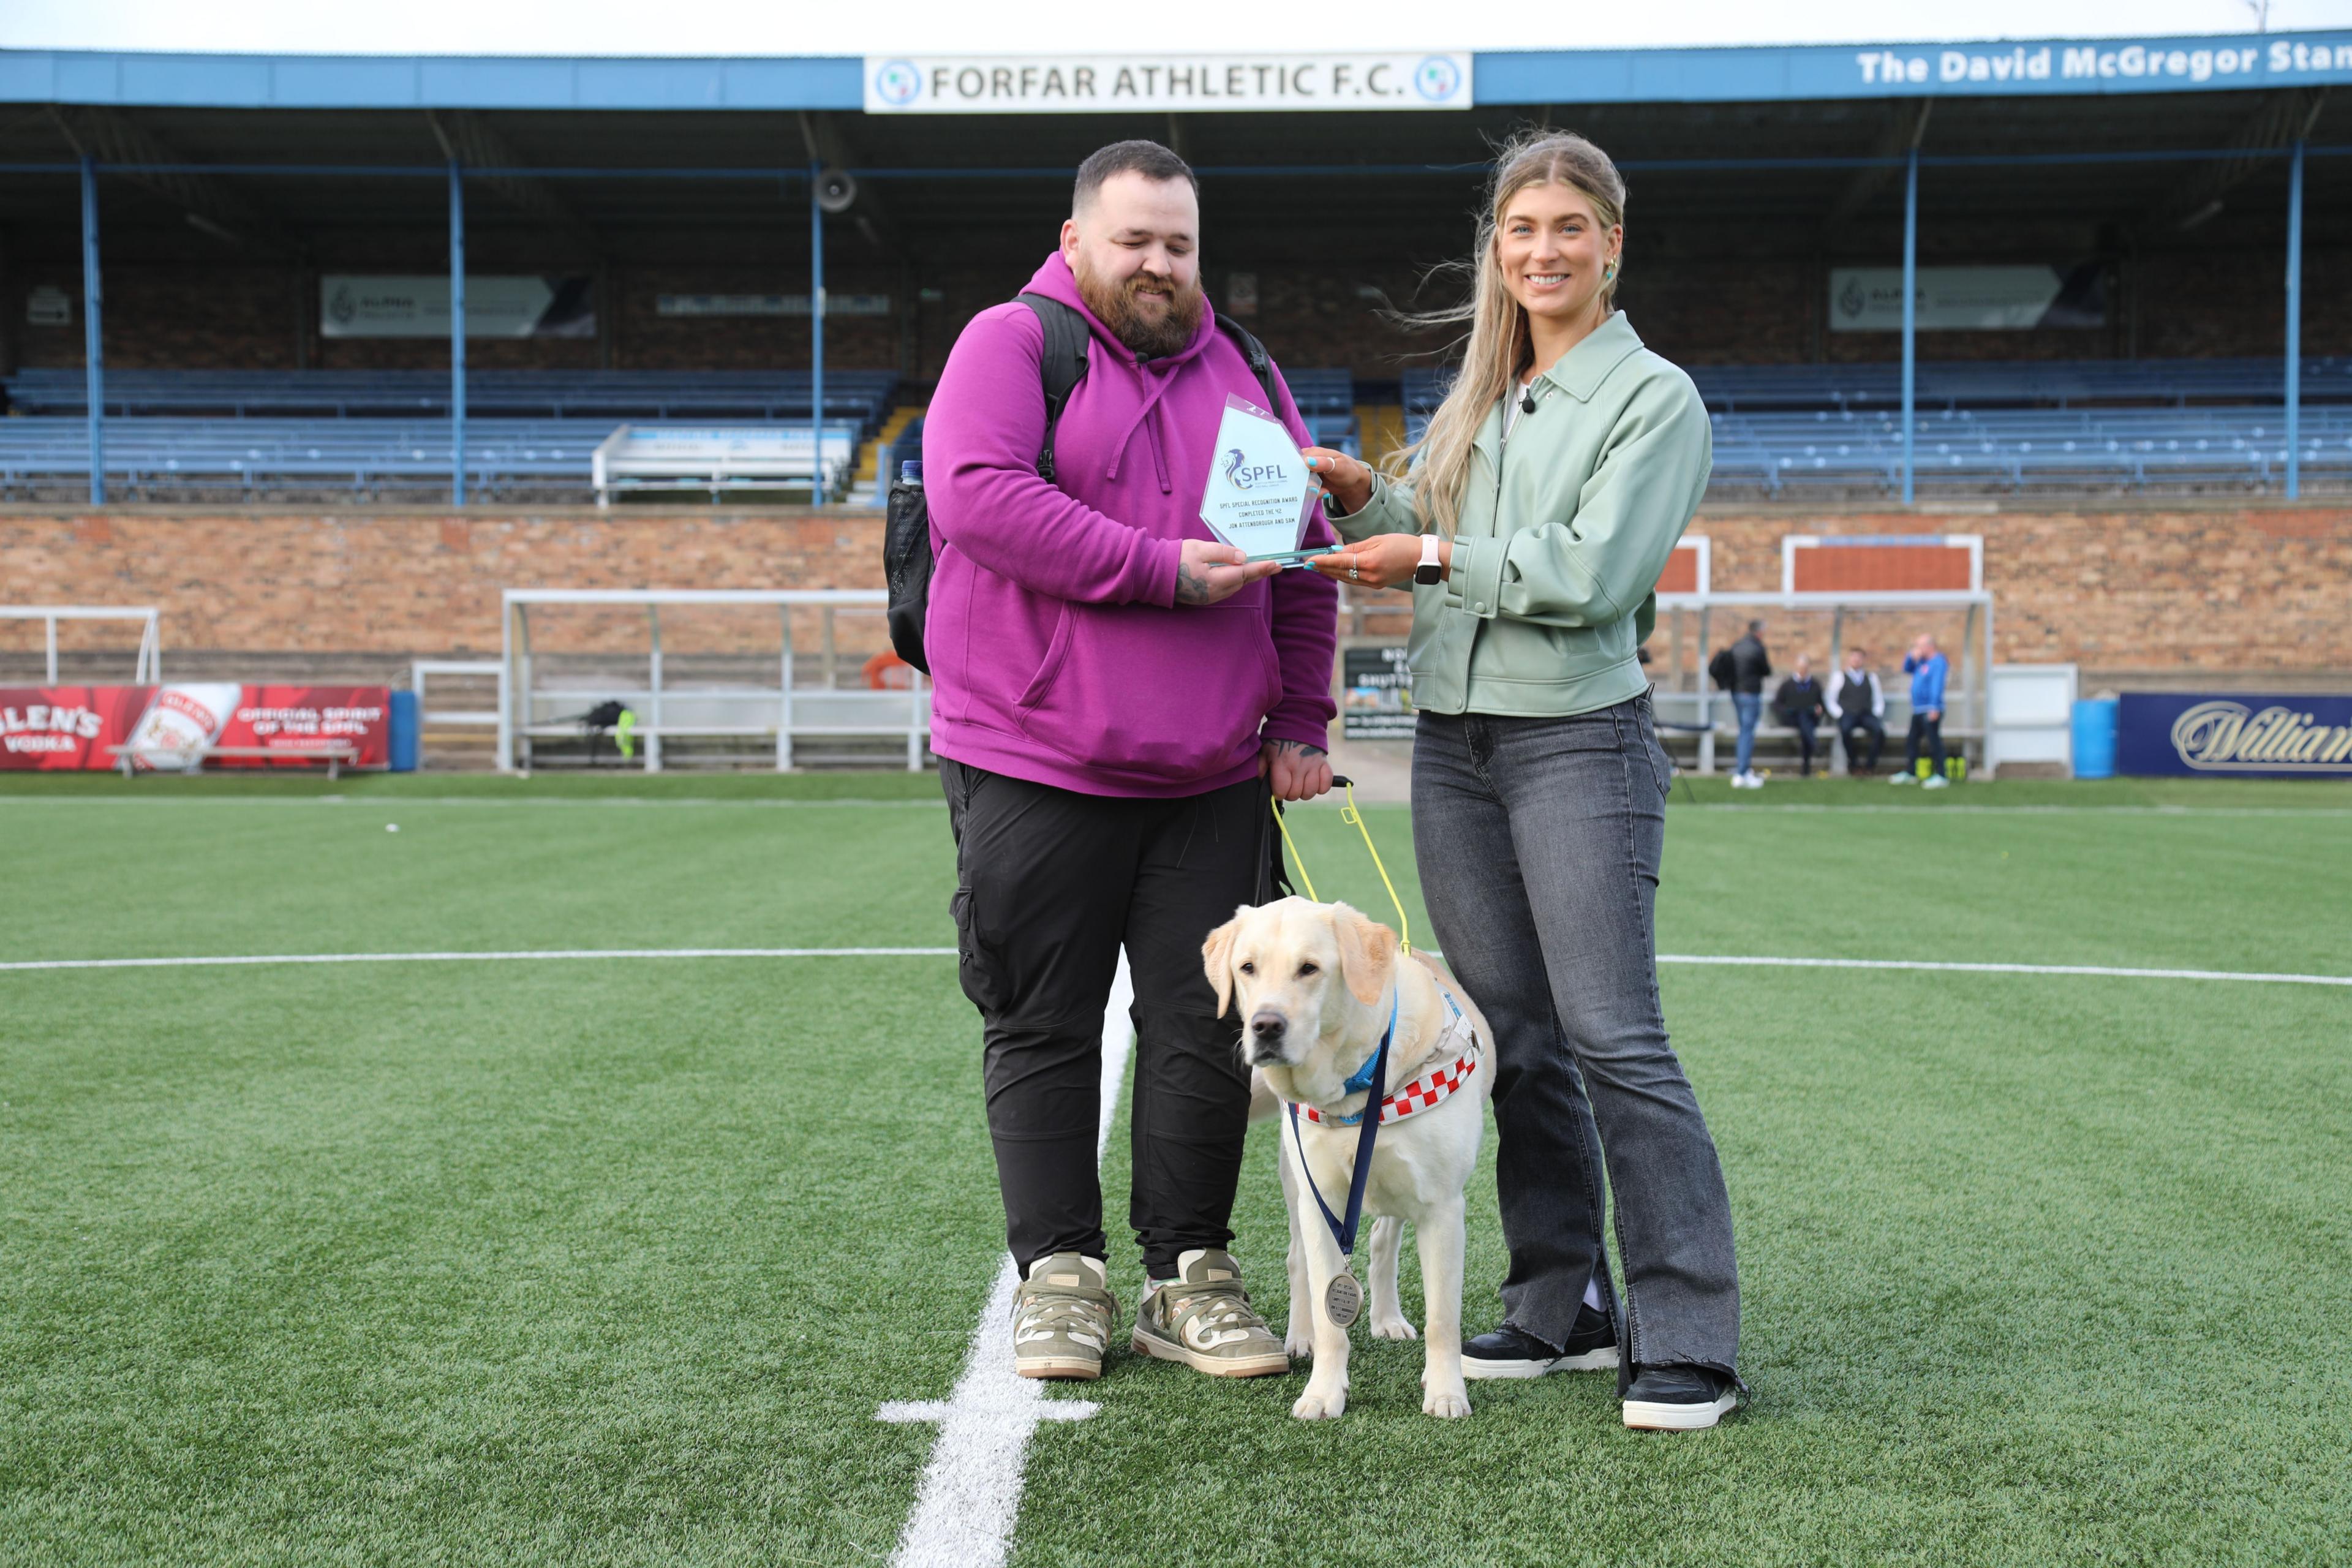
(1257, 496)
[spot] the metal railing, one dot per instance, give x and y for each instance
(786, 713)
(147, 664)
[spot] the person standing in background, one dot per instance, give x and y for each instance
(1926, 668)
(1857, 701)
(1799, 704)
(1750, 668)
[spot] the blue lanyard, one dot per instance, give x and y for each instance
(1377, 1078)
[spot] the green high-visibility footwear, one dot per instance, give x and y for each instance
(1202, 1318)
(1060, 1318)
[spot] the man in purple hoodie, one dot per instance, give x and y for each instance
(1116, 694)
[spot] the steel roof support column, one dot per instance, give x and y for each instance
(816, 331)
(92, 357)
(1910, 313)
(2295, 323)
(456, 334)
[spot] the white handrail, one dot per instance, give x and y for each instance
(796, 712)
(147, 664)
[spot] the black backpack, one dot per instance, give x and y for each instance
(1723, 670)
(906, 557)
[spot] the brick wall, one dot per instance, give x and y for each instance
(2230, 590)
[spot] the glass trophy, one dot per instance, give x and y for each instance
(1258, 497)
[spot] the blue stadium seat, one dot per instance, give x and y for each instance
(362, 446)
(862, 395)
(261, 455)
(1993, 383)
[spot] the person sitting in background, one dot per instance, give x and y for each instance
(1799, 704)
(1750, 665)
(1926, 668)
(1857, 701)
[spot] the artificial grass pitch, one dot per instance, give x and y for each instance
(610, 1261)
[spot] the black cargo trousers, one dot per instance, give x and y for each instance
(1049, 885)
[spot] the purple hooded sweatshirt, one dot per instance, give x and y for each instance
(1058, 653)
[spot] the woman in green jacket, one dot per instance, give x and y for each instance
(1532, 524)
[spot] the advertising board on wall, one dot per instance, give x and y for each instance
(387, 305)
(65, 728)
(1969, 298)
(769, 304)
(2176, 733)
(1099, 84)
(1376, 701)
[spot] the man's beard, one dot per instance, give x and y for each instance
(1116, 306)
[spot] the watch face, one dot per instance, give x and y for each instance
(1426, 574)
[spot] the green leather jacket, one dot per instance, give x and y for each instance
(1562, 537)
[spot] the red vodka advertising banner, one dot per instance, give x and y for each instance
(176, 727)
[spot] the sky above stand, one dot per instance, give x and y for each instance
(765, 27)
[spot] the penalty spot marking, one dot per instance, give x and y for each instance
(971, 1491)
(529, 955)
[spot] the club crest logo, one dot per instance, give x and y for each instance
(898, 83)
(1437, 79)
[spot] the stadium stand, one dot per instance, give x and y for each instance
(2009, 425)
(369, 433)
(863, 396)
(1326, 401)
(1989, 384)
(2030, 448)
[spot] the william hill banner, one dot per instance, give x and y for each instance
(173, 727)
(2195, 732)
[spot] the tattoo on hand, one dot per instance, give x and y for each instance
(1191, 589)
(1297, 747)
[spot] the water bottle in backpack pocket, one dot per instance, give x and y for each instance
(907, 562)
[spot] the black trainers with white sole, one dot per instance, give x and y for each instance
(1512, 1351)
(1678, 1398)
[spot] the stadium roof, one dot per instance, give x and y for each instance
(2007, 69)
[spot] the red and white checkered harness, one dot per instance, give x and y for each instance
(1430, 1088)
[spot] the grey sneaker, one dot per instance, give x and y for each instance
(1060, 1318)
(1202, 1318)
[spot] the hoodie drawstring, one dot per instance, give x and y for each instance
(1159, 384)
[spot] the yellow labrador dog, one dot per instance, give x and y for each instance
(1317, 985)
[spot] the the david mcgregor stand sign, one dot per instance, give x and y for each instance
(2183, 732)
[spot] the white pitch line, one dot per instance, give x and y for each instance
(527, 955)
(971, 1491)
(2101, 971)
(518, 956)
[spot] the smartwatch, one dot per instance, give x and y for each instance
(1431, 568)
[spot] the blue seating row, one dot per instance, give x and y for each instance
(261, 455)
(2022, 448)
(863, 395)
(1991, 383)
(2031, 448)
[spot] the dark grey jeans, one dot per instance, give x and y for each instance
(1539, 842)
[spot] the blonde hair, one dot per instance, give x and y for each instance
(1497, 347)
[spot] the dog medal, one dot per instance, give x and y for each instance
(1343, 1298)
